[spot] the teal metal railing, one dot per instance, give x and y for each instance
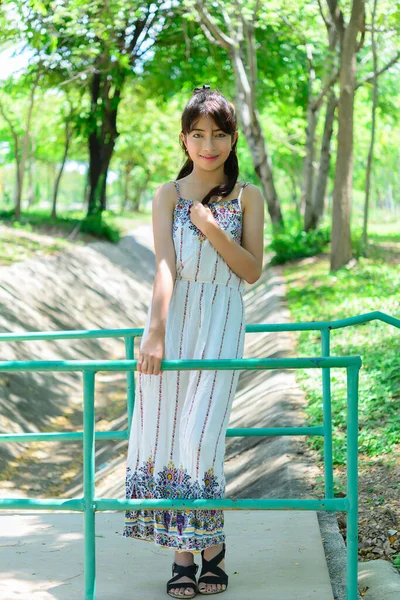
(89, 504)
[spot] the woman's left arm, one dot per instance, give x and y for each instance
(245, 260)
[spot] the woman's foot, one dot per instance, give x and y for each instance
(185, 559)
(209, 553)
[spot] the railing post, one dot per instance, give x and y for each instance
(327, 411)
(89, 484)
(130, 380)
(352, 483)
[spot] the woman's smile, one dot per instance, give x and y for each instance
(209, 157)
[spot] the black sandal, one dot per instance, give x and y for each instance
(189, 571)
(211, 565)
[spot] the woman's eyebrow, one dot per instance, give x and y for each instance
(196, 129)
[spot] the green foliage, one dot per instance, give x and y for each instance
(316, 295)
(101, 225)
(19, 243)
(292, 242)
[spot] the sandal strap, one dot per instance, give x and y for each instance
(181, 571)
(211, 566)
(222, 579)
(185, 584)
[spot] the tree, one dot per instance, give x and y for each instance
(20, 138)
(313, 196)
(239, 41)
(341, 248)
(371, 147)
(96, 45)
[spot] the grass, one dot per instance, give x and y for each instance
(36, 233)
(314, 294)
(17, 247)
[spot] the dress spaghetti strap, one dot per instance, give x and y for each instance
(240, 193)
(177, 188)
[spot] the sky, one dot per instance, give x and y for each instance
(10, 64)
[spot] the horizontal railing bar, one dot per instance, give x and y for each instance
(114, 504)
(71, 334)
(75, 504)
(68, 436)
(124, 435)
(250, 328)
(243, 364)
(331, 504)
(319, 325)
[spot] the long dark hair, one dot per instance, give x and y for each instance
(208, 103)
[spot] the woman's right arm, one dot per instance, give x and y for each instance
(162, 218)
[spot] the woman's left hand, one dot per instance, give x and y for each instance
(201, 216)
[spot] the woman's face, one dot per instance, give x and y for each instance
(208, 146)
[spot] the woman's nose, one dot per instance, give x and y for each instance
(208, 143)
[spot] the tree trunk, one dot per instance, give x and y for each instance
(15, 136)
(24, 149)
(86, 192)
(126, 181)
(31, 195)
(341, 251)
(68, 135)
(102, 137)
(306, 207)
(371, 146)
(324, 164)
(313, 195)
(241, 34)
(252, 131)
(306, 202)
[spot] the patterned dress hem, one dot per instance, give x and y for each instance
(174, 542)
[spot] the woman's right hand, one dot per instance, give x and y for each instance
(152, 353)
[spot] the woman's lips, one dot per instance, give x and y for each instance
(209, 157)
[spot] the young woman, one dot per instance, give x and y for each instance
(208, 237)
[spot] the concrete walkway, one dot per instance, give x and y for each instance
(271, 555)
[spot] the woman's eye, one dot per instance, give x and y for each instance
(223, 135)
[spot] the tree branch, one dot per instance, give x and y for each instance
(208, 34)
(337, 17)
(318, 101)
(370, 77)
(328, 23)
(225, 40)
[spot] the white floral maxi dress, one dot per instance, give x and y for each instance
(177, 439)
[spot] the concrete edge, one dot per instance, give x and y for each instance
(335, 553)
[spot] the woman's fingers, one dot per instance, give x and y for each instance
(148, 365)
(140, 363)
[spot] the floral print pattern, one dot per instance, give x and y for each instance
(227, 214)
(186, 530)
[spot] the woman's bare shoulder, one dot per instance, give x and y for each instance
(251, 193)
(167, 194)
